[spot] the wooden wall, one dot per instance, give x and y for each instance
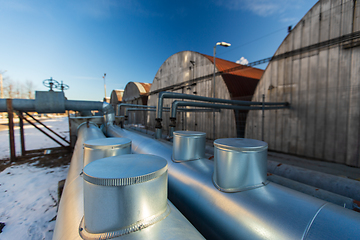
(176, 69)
(322, 86)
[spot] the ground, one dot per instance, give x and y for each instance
(29, 186)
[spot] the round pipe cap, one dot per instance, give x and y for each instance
(125, 170)
(241, 144)
(192, 134)
(108, 143)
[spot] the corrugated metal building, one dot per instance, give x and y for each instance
(136, 93)
(317, 70)
(116, 97)
(191, 73)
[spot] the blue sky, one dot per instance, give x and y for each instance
(77, 41)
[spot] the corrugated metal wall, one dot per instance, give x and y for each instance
(176, 69)
(322, 86)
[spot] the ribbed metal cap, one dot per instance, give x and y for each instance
(108, 143)
(241, 144)
(125, 170)
(189, 134)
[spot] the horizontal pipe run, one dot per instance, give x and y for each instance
(132, 106)
(71, 206)
(339, 185)
(315, 192)
(268, 212)
(168, 110)
(75, 105)
(162, 95)
(176, 104)
(28, 105)
(24, 105)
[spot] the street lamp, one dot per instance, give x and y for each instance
(104, 85)
(224, 44)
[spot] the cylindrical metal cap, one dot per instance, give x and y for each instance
(123, 194)
(188, 145)
(239, 164)
(241, 144)
(105, 147)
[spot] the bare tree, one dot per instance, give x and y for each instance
(29, 89)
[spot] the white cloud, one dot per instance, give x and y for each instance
(242, 61)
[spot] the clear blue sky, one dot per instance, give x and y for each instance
(77, 41)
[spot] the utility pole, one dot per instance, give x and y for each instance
(104, 85)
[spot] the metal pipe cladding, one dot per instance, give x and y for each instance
(270, 211)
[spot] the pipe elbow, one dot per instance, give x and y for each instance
(109, 113)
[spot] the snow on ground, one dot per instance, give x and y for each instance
(29, 201)
(28, 193)
(34, 139)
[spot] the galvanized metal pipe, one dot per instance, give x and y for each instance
(24, 105)
(69, 224)
(28, 105)
(339, 185)
(71, 208)
(162, 95)
(268, 212)
(316, 192)
(176, 104)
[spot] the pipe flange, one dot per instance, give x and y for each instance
(158, 123)
(172, 122)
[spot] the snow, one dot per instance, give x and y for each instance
(34, 139)
(28, 194)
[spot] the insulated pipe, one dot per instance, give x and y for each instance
(316, 192)
(176, 104)
(28, 105)
(339, 185)
(71, 208)
(268, 212)
(163, 95)
(83, 105)
(131, 105)
(24, 105)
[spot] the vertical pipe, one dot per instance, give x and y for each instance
(22, 136)
(11, 129)
(263, 118)
(214, 93)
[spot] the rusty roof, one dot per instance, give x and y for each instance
(144, 88)
(119, 94)
(248, 72)
(240, 83)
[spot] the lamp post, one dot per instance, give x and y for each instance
(224, 44)
(104, 85)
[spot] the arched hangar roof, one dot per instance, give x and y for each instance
(135, 90)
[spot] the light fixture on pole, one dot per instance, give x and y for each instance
(224, 44)
(104, 85)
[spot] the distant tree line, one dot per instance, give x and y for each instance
(16, 89)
